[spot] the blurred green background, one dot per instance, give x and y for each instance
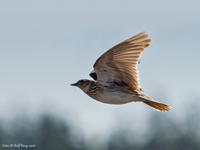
(47, 45)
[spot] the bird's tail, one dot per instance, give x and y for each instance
(157, 106)
(153, 104)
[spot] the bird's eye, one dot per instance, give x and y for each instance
(81, 81)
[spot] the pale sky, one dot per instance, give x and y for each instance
(47, 45)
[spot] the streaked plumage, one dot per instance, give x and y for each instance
(115, 75)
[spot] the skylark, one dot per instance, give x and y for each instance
(115, 75)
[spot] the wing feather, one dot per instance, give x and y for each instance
(119, 64)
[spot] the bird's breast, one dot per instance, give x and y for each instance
(116, 97)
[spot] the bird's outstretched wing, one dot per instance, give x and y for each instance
(119, 64)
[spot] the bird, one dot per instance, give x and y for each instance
(115, 75)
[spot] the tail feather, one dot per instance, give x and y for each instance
(152, 103)
(157, 106)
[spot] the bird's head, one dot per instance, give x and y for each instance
(83, 84)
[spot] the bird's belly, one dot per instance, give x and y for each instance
(116, 98)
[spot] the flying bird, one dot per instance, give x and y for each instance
(115, 75)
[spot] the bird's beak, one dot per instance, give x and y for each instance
(75, 84)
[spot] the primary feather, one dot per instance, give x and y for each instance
(119, 64)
